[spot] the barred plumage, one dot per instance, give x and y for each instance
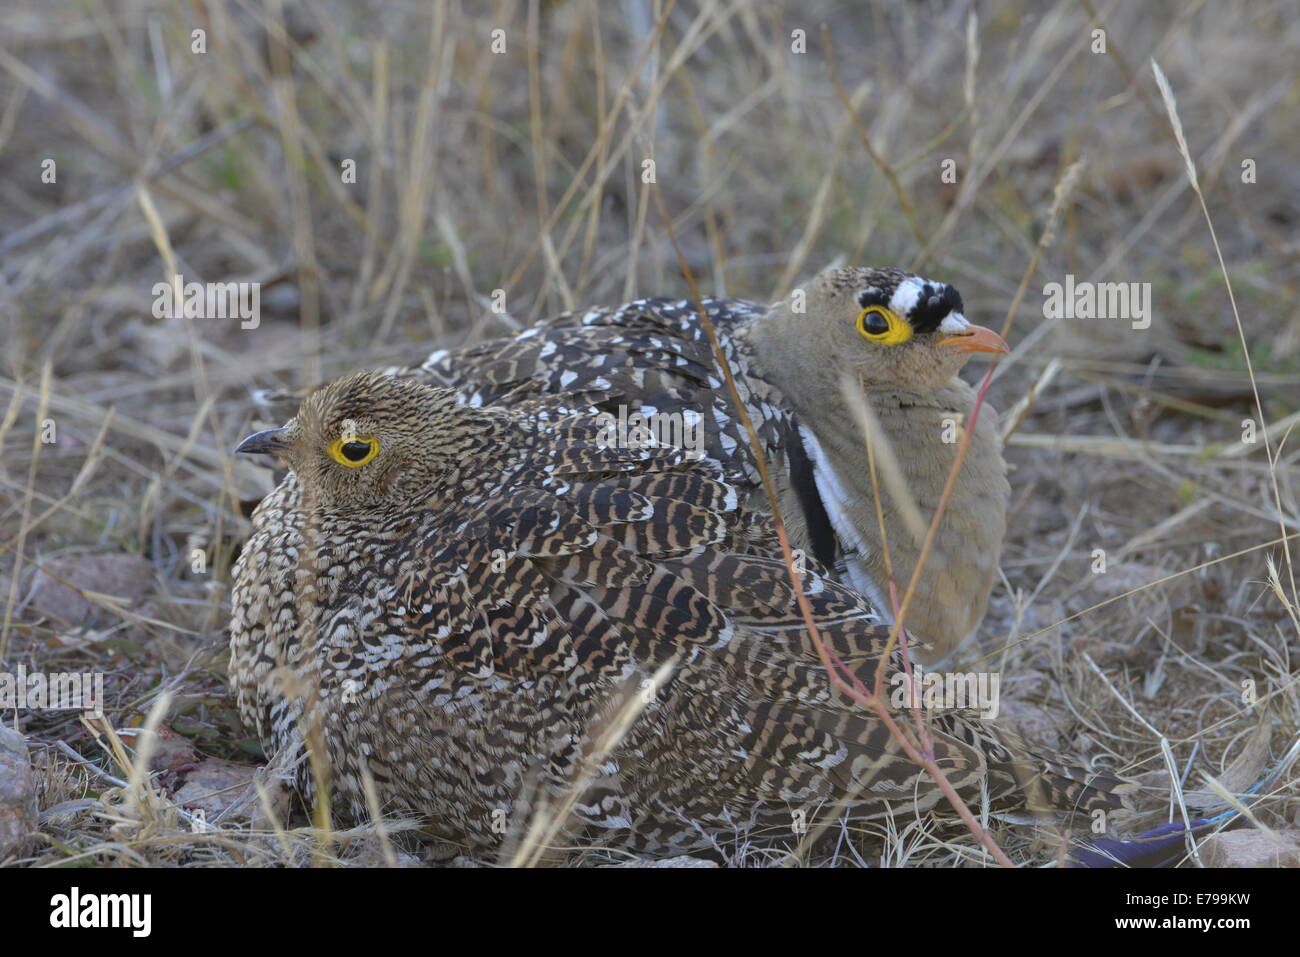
(790, 362)
(459, 616)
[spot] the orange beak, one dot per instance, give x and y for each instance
(976, 339)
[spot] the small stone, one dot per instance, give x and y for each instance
(1250, 847)
(18, 817)
(127, 577)
(221, 793)
(171, 751)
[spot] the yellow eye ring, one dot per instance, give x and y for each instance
(354, 451)
(894, 333)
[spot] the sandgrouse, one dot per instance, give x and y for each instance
(453, 599)
(898, 338)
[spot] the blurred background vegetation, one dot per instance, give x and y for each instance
(522, 170)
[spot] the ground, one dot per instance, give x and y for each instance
(398, 177)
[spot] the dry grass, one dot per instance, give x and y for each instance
(522, 172)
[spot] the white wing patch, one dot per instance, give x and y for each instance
(837, 501)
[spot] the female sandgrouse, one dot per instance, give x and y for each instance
(452, 601)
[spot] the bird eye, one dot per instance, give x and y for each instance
(354, 451)
(878, 324)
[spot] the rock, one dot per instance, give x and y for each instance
(221, 793)
(172, 752)
(18, 817)
(127, 577)
(1249, 847)
(684, 860)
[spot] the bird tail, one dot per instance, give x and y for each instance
(1041, 782)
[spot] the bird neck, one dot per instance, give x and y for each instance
(921, 429)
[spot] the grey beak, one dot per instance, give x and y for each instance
(269, 442)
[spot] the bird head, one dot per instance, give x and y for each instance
(370, 438)
(889, 327)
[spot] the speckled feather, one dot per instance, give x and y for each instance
(653, 355)
(789, 362)
(460, 622)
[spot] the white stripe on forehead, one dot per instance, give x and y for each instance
(953, 323)
(906, 296)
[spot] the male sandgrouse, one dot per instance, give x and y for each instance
(899, 338)
(453, 600)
